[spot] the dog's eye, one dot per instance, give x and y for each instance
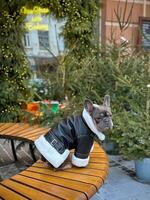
(108, 114)
(102, 115)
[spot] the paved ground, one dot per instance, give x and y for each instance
(10, 170)
(121, 183)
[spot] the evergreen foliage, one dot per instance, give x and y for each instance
(124, 73)
(14, 70)
(130, 95)
(15, 73)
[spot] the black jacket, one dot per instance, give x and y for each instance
(71, 133)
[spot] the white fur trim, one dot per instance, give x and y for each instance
(91, 125)
(50, 153)
(79, 162)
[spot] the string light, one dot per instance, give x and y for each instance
(14, 64)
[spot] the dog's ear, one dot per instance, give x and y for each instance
(88, 105)
(106, 101)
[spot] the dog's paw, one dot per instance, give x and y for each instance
(67, 166)
(64, 167)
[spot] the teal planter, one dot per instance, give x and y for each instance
(110, 147)
(142, 168)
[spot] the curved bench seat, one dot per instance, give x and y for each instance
(40, 182)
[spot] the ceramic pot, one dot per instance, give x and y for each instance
(142, 168)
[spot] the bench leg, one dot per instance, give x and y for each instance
(13, 150)
(32, 148)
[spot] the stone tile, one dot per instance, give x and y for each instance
(119, 185)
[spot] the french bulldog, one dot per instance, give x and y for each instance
(75, 132)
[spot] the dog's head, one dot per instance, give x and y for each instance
(100, 114)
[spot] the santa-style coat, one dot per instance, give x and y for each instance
(75, 132)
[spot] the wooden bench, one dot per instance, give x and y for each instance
(39, 182)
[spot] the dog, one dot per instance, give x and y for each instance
(76, 132)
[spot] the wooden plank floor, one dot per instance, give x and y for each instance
(40, 182)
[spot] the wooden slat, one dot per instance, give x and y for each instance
(28, 191)
(33, 137)
(95, 160)
(99, 157)
(24, 130)
(9, 194)
(33, 132)
(98, 166)
(50, 188)
(28, 136)
(5, 126)
(96, 181)
(99, 173)
(2, 124)
(16, 128)
(85, 188)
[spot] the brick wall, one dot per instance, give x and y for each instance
(110, 26)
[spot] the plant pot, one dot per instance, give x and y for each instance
(110, 147)
(142, 168)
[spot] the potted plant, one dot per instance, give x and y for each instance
(131, 110)
(134, 138)
(134, 141)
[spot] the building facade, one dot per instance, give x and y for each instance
(43, 42)
(123, 20)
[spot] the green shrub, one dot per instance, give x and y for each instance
(130, 104)
(132, 133)
(122, 72)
